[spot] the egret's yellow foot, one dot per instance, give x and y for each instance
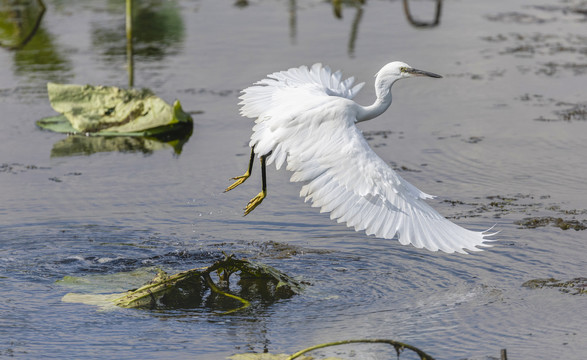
(255, 202)
(239, 180)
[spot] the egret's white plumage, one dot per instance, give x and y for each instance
(305, 117)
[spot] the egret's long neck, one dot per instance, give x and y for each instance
(379, 106)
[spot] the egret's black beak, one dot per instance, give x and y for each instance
(417, 72)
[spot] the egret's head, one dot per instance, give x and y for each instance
(396, 70)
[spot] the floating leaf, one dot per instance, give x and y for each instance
(108, 283)
(104, 301)
(98, 288)
(111, 111)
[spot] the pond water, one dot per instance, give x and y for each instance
(501, 139)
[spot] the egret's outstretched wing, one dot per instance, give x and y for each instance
(276, 102)
(261, 97)
(346, 178)
(299, 120)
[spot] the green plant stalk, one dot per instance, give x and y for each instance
(129, 49)
(396, 344)
(215, 288)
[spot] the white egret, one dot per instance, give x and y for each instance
(305, 117)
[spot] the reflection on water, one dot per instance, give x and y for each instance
(36, 57)
(422, 23)
(338, 4)
(338, 7)
(19, 19)
(158, 31)
(42, 59)
(357, 4)
(86, 145)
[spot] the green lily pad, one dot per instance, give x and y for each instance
(108, 283)
(111, 111)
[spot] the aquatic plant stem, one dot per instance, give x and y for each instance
(217, 290)
(399, 347)
(129, 49)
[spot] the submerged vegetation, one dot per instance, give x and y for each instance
(196, 288)
(542, 214)
(576, 286)
(562, 110)
(534, 222)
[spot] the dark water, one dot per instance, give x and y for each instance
(500, 139)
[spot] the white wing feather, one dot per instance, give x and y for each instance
(305, 117)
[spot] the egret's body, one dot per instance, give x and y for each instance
(305, 117)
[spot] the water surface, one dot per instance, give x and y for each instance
(500, 138)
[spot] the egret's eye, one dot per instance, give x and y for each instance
(403, 69)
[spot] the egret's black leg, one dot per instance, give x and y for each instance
(260, 196)
(241, 179)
